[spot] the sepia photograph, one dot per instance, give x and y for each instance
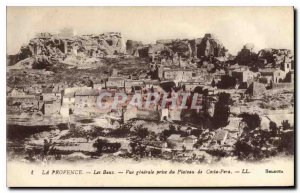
(150, 96)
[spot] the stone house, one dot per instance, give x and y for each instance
(24, 102)
(265, 79)
(221, 136)
(50, 95)
(151, 84)
(190, 85)
(34, 89)
(17, 91)
(256, 89)
(68, 99)
(176, 142)
(129, 84)
(86, 98)
(51, 108)
(290, 76)
(286, 66)
(189, 142)
(115, 82)
(276, 74)
(242, 75)
(98, 85)
(178, 74)
(164, 114)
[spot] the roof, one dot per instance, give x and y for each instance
(50, 90)
(24, 96)
(178, 69)
(154, 82)
(193, 82)
(174, 137)
(191, 137)
(115, 78)
(143, 75)
(242, 70)
(87, 92)
(267, 70)
(48, 102)
(137, 87)
(47, 90)
(235, 66)
(69, 95)
(221, 59)
(153, 143)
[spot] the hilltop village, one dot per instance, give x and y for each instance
(54, 81)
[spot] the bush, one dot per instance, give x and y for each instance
(257, 144)
(222, 111)
(102, 145)
(141, 132)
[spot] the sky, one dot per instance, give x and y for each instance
(265, 27)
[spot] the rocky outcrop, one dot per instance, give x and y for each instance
(70, 49)
(205, 47)
(97, 45)
(268, 56)
(171, 47)
(54, 48)
(210, 46)
(132, 47)
(110, 43)
(275, 57)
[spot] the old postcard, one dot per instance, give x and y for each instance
(150, 96)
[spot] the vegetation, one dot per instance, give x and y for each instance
(222, 111)
(102, 145)
(256, 143)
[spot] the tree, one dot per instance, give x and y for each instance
(222, 111)
(227, 82)
(213, 83)
(196, 132)
(152, 89)
(286, 125)
(100, 145)
(252, 120)
(133, 146)
(141, 132)
(274, 129)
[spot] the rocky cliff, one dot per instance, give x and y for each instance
(205, 47)
(53, 49)
(268, 56)
(86, 50)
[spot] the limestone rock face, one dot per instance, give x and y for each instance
(275, 57)
(210, 46)
(133, 46)
(169, 48)
(55, 48)
(110, 43)
(39, 53)
(97, 45)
